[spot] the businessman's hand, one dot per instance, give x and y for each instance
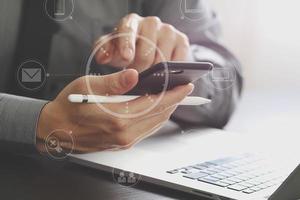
(94, 129)
(135, 52)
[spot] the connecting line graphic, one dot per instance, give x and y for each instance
(87, 37)
(64, 75)
(73, 75)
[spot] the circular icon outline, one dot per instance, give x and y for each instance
(69, 16)
(231, 70)
(127, 115)
(43, 71)
(126, 184)
(184, 15)
(69, 133)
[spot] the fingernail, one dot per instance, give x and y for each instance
(128, 53)
(126, 78)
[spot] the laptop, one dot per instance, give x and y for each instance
(210, 163)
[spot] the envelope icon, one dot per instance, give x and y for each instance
(31, 75)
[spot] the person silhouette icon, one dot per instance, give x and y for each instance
(131, 178)
(122, 178)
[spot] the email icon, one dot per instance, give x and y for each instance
(31, 75)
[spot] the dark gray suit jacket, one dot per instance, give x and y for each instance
(72, 42)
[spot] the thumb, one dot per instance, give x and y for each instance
(114, 84)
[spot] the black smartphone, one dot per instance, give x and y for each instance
(167, 75)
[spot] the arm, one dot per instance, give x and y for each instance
(25, 124)
(18, 122)
(203, 34)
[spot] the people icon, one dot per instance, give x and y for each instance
(131, 178)
(122, 178)
(126, 178)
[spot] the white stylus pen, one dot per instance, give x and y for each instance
(80, 98)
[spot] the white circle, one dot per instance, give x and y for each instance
(62, 154)
(202, 16)
(222, 78)
(127, 115)
(187, 12)
(121, 177)
(68, 16)
(43, 73)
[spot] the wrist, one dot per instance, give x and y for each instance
(44, 127)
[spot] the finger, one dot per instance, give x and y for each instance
(180, 54)
(146, 48)
(139, 106)
(182, 48)
(93, 142)
(126, 45)
(154, 115)
(92, 118)
(136, 132)
(140, 138)
(142, 104)
(113, 84)
(169, 98)
(105, 49)
(87, 149)
(165, 44)
(114, 124)
(96, 142)
(143, 129)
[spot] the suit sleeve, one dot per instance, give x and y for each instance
(203, 31)
(18, 122)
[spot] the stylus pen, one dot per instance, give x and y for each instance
(80, 98)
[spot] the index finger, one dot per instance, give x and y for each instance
(126, 45)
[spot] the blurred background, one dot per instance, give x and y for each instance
(265, 36)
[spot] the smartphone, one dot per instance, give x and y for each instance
(167, 75)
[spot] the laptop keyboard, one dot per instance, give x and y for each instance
(245, 173)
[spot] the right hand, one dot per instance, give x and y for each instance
(95, 130)
(131, 49)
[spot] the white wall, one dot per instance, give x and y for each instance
(265, 35)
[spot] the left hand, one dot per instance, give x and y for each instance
(133, 52)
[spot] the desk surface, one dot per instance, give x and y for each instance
(35, 179)
(42, 179)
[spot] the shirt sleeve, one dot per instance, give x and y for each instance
(18, 123)
(203, 32)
